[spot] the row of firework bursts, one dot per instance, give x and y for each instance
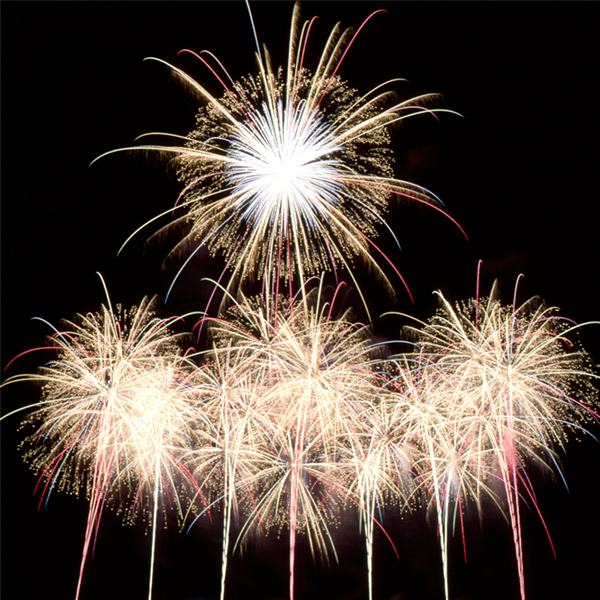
(295, 414)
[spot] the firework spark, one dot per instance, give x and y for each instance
(288, 174)
(114, 419)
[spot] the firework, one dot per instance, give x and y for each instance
(288, 174)
(228, 458)
(376, 460)
(114, 419)
(510, 388)
(290, 387)
(295, 413)
(428, 436)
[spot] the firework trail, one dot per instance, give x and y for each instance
(288, 174)
(510, 389)
(444, 467)
(114, 419)
(228, 458)
(376, 460)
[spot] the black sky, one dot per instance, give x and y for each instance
(518, 172)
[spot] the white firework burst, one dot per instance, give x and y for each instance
(115, 418)
(289, 173)
(511, 388)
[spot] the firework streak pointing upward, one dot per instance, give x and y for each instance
(289, 174)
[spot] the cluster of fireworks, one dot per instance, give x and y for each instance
(294, 413)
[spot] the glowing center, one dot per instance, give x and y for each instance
(278, 165)
(285, 175)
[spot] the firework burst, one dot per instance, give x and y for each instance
(376, 459)
(511, 387)
(299, 380)
(288, 173)
(115, 417)
(228, 459)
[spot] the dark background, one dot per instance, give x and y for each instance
(518, 172)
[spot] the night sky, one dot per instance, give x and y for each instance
(517, 171)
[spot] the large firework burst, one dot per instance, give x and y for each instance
(511, 387)
(288, 173)
(288, 394)
(115, 416)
